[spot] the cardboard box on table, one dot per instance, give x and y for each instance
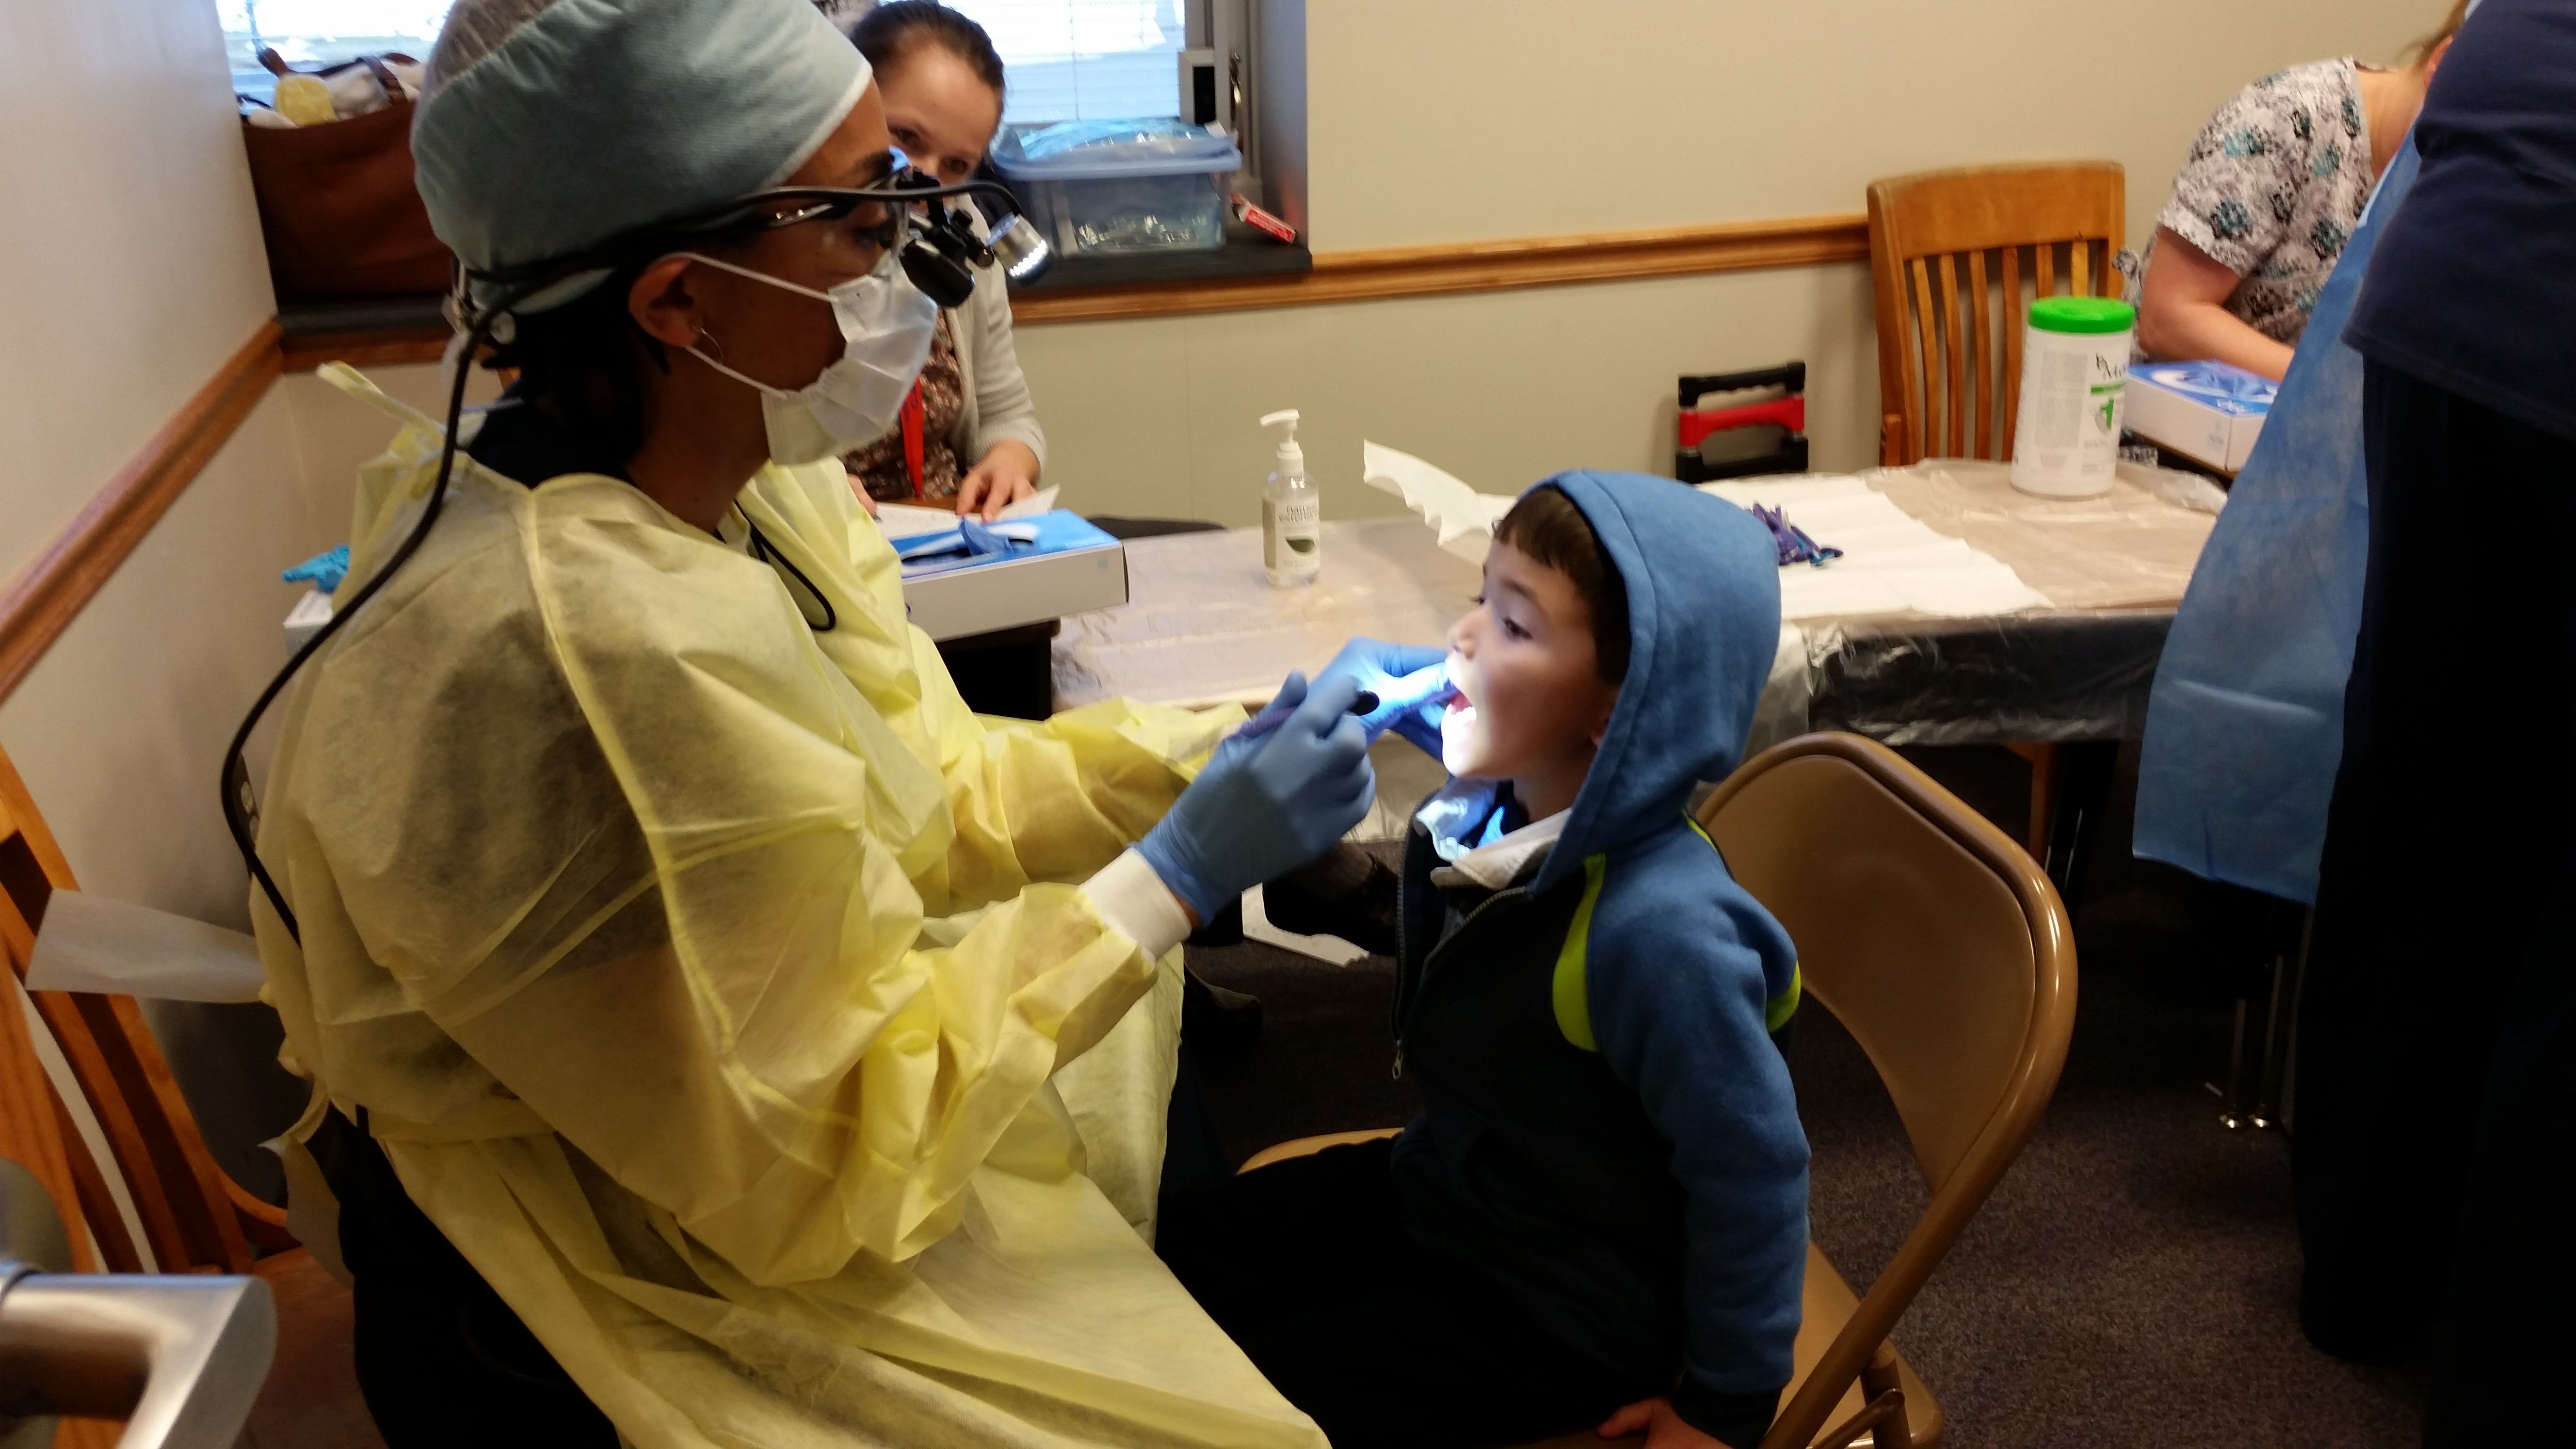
(1071, 568)
(2207, 411)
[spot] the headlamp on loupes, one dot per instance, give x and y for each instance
(932, 230)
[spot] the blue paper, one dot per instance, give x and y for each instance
(2245, 722)
(971, 538)
(2214, 385)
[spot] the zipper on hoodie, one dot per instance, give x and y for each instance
(1406, 988)
(1409, 1009)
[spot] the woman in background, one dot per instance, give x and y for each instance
(2262, 209)
(969, 438)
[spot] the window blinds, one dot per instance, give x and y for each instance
(1085, 60)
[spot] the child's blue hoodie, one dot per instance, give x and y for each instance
(1608, 1128)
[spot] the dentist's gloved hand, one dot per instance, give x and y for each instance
(1410, 681)
(1267, 805)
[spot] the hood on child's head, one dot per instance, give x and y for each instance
(1703, 584)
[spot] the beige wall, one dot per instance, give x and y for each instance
(1686, 111)
(335, 432)
(120, 729)
(1157, 418)
(134, 255)
(1455, 120)
(128, 236)
(131, 233)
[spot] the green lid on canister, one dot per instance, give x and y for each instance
(2081, 314)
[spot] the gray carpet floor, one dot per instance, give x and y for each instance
(2133, 1281)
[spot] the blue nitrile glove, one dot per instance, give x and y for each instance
(1412, 707)
(1403, 677)
(323, 571)
(1268, 805)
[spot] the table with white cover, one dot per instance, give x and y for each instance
(1963, 612)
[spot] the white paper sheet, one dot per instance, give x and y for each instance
(1810, 593)
(908, 520)
(90, 943)
(1042, 501)
(1463, 517)
(1892, 563)
(1256, 927)
(911, 520)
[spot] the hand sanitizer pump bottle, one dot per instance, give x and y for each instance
(1291, 516)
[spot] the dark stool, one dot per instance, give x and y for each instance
(1123, 528)
(1007, 672)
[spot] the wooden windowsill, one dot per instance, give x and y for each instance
(1247, 253)
(365, 332)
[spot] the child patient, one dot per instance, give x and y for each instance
(1600, 1216)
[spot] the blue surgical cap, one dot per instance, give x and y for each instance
(550, 126)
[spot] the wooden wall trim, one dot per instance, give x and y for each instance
(1491, 266)
(1380, 275)
(42, 602)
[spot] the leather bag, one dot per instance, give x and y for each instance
(338, 205)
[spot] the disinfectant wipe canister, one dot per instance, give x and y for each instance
(2074, 369)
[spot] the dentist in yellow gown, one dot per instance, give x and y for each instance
(666, 930)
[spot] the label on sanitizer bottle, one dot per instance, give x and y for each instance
(1289, 532)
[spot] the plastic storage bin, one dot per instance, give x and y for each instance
(1120, 186)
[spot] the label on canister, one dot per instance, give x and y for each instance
(2074, 381)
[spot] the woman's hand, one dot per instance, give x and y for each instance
(1008, 474)
(2183, 316)
(1664, 1428)
(867, 500)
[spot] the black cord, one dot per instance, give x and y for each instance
(768, 553)
(240, 803)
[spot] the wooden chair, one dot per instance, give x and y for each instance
(32, 1132)
(194, 1218)
(1943, 949)
(1954, 258)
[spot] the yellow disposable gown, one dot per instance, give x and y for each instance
(704, 975)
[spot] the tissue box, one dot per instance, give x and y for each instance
(1073, 567)
(2206, 411)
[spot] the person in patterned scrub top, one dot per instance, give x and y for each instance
(2259, 214)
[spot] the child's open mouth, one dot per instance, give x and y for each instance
(1458, 722)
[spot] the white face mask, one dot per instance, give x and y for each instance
(886, 324)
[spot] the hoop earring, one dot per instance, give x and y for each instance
(709, 339)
